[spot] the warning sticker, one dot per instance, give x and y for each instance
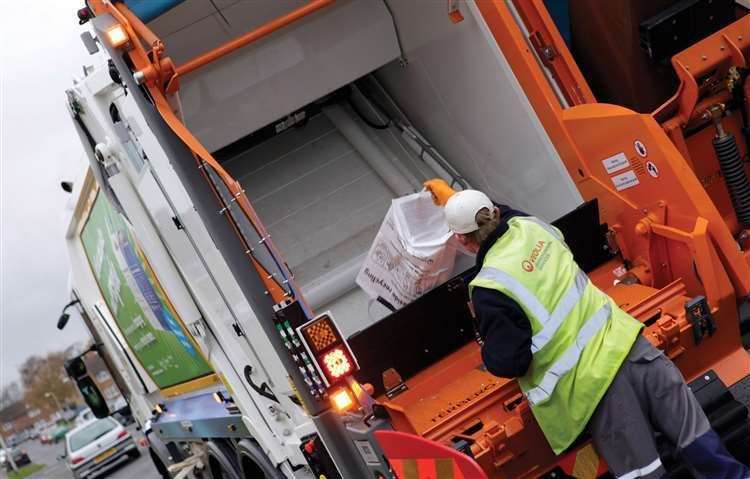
(652, 169)
(367, 452)
(616, 162)
(640, 148)
(626, 180)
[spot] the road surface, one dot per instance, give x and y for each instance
(141, 468)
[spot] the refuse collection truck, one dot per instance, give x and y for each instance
(243, 156)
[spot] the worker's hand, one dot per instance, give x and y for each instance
(440, 190)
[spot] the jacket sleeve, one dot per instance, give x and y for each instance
(506, 332)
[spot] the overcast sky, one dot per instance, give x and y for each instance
(40, 51)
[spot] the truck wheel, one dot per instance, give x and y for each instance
(222, 461)
(254, 463)
(160, 467)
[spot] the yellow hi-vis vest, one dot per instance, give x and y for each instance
(579, 335)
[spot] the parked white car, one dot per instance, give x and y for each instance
(97, 446)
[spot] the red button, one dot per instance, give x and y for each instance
(310, 446)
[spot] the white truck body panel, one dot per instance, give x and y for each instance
(87, 290)
(226, 351)
(461, 93)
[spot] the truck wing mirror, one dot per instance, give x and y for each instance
(76, 369)
(63, 320)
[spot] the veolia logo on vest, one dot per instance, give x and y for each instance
(537, 258)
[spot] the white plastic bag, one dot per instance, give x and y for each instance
(411, 254)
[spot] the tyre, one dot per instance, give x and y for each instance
(134, 454)
(222, 461)
(160, 467)
(254, 463)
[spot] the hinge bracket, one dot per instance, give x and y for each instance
(545, 50)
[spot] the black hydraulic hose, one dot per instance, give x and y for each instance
(364, 118)
(736, 179)
(89, 138)
(376, 106)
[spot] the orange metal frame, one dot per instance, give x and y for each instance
(703, 71)
(675, 240)
(586, 134)
(550, 48)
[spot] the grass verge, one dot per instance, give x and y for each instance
(25, 471)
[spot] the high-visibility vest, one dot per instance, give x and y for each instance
(579, 335)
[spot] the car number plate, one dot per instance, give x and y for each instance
(104, 455)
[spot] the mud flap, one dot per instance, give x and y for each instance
(414, 457)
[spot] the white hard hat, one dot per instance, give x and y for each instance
(462, 208)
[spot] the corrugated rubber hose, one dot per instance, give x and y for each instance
(734, 175)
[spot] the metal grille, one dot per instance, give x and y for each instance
(321, 335)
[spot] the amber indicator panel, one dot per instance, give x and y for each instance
(328, 349)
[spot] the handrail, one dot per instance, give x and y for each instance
(251, 36)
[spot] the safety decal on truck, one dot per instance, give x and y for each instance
(626, 180)
(640, 148)
(368, 454)
(652, 169)
(616, 162)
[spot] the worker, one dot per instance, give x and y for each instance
(579, 359)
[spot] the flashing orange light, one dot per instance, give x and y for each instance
(328, 349)
(337, 363)
(117, 36)
(342, 400)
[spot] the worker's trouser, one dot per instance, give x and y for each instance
(647, 394)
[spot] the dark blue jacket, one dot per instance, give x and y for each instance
(503, 325)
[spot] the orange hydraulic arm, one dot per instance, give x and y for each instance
(661, 219)
(587, 134)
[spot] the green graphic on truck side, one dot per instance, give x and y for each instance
(137, 301)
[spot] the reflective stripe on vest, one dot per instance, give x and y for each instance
(642, 471)
(528, 299)
(570, 357)
(562, 310)
(551, 322)
(546, 226)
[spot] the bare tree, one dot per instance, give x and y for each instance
(47, 375)
(10, 393)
